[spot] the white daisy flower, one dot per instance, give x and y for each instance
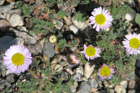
(105, 72)
(91, 52)
(132, 43)
(101, 19)
(17, 59)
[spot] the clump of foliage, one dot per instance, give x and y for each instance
(79, 17)
(119, 12)
(110, 42)
(113, 54)
(37, 20)
(45, 82)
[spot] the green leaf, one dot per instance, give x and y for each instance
(79, 17)
(61, 14)
(137, 19)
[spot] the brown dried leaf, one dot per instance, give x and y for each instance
(42, 6)
(46, 16)
(40, 35)
(121, 74)
(31, 2)
(10, 1)
(28, 24)
(36, 11)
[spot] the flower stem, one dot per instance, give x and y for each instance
(31, 72)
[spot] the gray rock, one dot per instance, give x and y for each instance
(77, 77)
(28, 38)
(58, 25)
(74, 29)
(6, 8)
(2, 70)
(5, 42)
(84, 88)
(16, 22)
(10, 90)
(131, 84)
(7, 72)
(28, 76)
(14, 11)
(65, 76)
(58, 68)
(84, 79)
(106, 83)
(4, 25)
(10, 78)
(93, 83)
(120, 89)
(3, 84)
(124, 83)
(99, 81)
(19, 41)
(22, 29)
(130, 16)
(111, 91)
(130, 76)
(73, 86)
(81, 25)
(78, 74)
(35, 49)
(131, 91)
(2, 2)
(79, 71)
(49, 50)
(88, 69)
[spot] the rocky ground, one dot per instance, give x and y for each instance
(13, 31)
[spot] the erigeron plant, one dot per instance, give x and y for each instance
(112, 51)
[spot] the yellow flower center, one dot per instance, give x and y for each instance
(134, 43)
(90, 51)
(105, 71)
(18, 59)
(100, 19)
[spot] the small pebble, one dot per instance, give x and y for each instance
(49, 50)
(119, 89)
(130, 16)
(131, 84)
(124, 84)
(74, 29)
(131, 91)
